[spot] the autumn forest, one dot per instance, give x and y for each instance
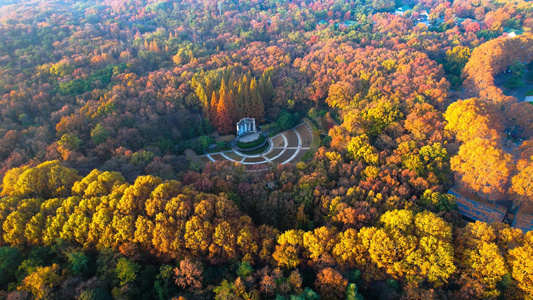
(416, 180)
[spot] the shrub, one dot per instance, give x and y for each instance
(252, 144)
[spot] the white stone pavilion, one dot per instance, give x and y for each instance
(246, 125)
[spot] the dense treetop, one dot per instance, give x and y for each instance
(99, 101)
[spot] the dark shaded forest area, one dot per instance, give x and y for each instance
(100, 100)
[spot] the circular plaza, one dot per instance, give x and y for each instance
(286, 147)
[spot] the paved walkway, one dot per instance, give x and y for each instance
(288, 146)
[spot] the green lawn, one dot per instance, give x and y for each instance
(251, 144)
(256, 151)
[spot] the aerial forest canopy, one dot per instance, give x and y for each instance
(106, 106)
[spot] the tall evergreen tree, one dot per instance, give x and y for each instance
(225, 112)
(204, 101)
(269, 91)
(261, 85)
(257, 108)
(240, 103)
(208, 86)
(246, 96)
(213, 107)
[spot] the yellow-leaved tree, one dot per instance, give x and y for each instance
(415, 247)
(320, 242)
(46, 180)
(359, 148)
(289, 249)
(522, 183)
(42, 282)
(349, 249)
(521, 262)
(223, 245)
(483, 167)
(480, 261)
(474, 118)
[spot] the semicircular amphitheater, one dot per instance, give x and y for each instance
(286, 147)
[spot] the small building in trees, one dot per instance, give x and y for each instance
(512, 32)
(523, 221)
(492, 212)
(478, 211)
(400, 11)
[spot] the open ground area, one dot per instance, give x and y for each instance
(519, 92)
(287, 147)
